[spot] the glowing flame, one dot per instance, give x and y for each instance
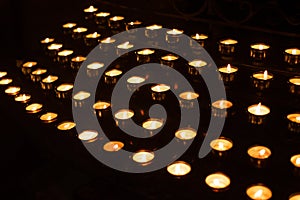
(298, 119)
(221, 145)
(216, 182)
(298, 161)
(116, 147)
(265, 75)
(258, 110)
(228, 68)
(294, 51)
(258, 194)
(262, 152)
(177, 169)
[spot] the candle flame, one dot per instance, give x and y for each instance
(95, 34)
(265, 75)
(177, 169)
(261, 47)
(221, 145)
(216, 182)
(298, 119)
(294, 51)
(116, 147)
(228, 68)
(258, 194)
(298, 161)
(262, 152)
(197, 36)
(258, 110)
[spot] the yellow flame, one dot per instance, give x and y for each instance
(265, 75)
(258, 194)
(262, 152)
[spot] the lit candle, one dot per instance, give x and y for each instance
(113, 146)
(116, 22)
(295, 160)
(294, 85)
(130, 26)
(262, 79)
(221, 108)
(186, 133)
(227, 47)
(66, 126)
(80, 97)
(106, 45)
(188, 99)
(143, 56)
(27, 67)
(199, 38)
(294, 122)
(173, 36)
(228, 73)
(90, 12)
(88, 136)
(77, 61)
(92, 39)
(221, 146)
(53, 49)
(179, 168)
(101, 18)
(159, 91)
(292, 56)
(258, 51)
(47, 83)
(2, 74)
(217, 181)
(93, 69)
(23, 98)
(152, 124)
(64, 56)
(134, 82)
(111, 76)
(64, 90)
(5, 81)
(34, 108)
(79, 32)
(259, 155)
(68, 28)
(257, 113)
(101, 107)
(122, 48)
(123, 116)
(169, 60)
(36, 75)
(143, 157)
(195, 66)
(49, 117)
(12, 90)
(45, 42)
(294, 196)
(259, 192)
(152, 30)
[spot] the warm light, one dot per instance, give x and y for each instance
(125, 45)
(5, 81)
(259, 192)
(197, 63)
(135, 80)
(113, 72)
(65, 53)
(39, 71)
(47, 40)
(295, 117)
(116, 18)
(154, 27)
(217, 181)
(2, 74)
(143, 157)
(229, 42)
(259, 152)
(228, 69)
(93, 35)
(124, 114)
(29, 64)
(78, 59)
(263, 75)
(160, 88)
(222, 104)
(294, 51)
(152, 124)
(295, 160)
(295, 196)
(108, 40)
(145, 52)
(179, 168)
(113, 146)
(186, 134)
(80, 30)
(12, 90)
(260, 46)
(258, 109)
(66, 125)
(175, 32)
(102, 14)
(188, 95)
(295, 81)
(81, 95)
(69, 25)
(50, 79)
(88, 135)
(34, 108)
(48, 117)
(64, 87)
(169, 57)
(55, 46)
(221, 144)
(90, 9)
(101, 105)
(95, 65)
(199, 36)
(23, 98)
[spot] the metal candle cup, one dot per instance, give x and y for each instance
(262, 79)
(218, 181)
(133, 25)
(92, 39)
(76, 62)
(93, 69)
(37, 75)
(228, 73)
(143, 157)
(113, 146)
(23, 98)
(12, 90)
(144, 55)
(123, 48)
(64, 90)
(101, 108)
(79, 32)
(259, 51)
(67, 128)
(53, 49)
(294, 122)
(134, 82)
(259, 192)
(259, 155)
(188, 99)
(196, 66)
(27, 67)
(112, 76)
(221, 146)
(64, 56)
(169, 60)
(88, 136)
(257, 113)
(221, 108)
(152, 31)
(295, 196)
(292, 56)
(89, 13)
(159, 92)
(116, 22)
(179, 168)
(294, 85)
(151, 126)
(49, 117)
(80, 98)
(123, 117)
(34, 108)
(46, 42)
(48, 82)
(199, 38)
(227, 47)
(173, 36)
(101, 18)
(68, 28)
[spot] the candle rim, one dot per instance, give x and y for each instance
(259, 185)
(145, 151)
(73, 124)
(18, 89)
(39, 71)
(173, 56)
(254, 45)
(222, 138)
(180, 162)
(152, 51)
(79, 93)
(293, 195)
(177, 133)
(140, 78)
(291, 49)
(294, 158)
(223, 175)
(50, 76)
(73, 24)
(124, 110)
(96, 105)
(262, 106)
(116, 16)
(87, 10)
(262, 147)
(291, 115)
(262, 72)
(106, 14)
(151, 120)
(196, 61)
(111, 142)
(294, 78)
(165, 87)
(194, 94)
(95, 135)
(40, 106)
(204, 36)
(68, 51)
(217, 102)
(28, 96)
(70, 87)
(232, 41)
(55, 115)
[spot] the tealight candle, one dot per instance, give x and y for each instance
(12, 90)
(132, 25)
(259, 192)
(80, 97)
(79, 32)
(68, 28)
(258, 51)
(53, 49)
(294, 196)
(49, 117)
(152, 30)
(292, 56)
(144, 55)
(258, 113)
(221, 108)
(67, 128)
(200, 38)
(123, 116)
(196, 66)
(227, 47)
(185, 134)
(152, 124)
(2, 74)
(106, 45)
(134, 82)
(221, 146)
(88, 136)
(295, 160)
(92, 39)
(217, 181)
(93, 69)
(101, 18)
(116, 22)
(179, 168)
(122, 48)
(27, 67)
(64, 56)
(64, 90)
(101, 108)
(169, 60)
(77, 61)
(23, 98)
(259, 155)
(294, 85)
(48, 82)
(111, 76)
(37, 75)
(143, 157)
(113, 146)
(5, 81)
(46, 42)
(159, 91)
(228, 73)
(294, 122)
(34, 108)
(188, 99)
(173, 36)
(90, 12)
(262, 79)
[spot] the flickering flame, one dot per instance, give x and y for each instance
(116, 18)
(262, 152)
(221, 145)
(294, 51)
(265, 75)
(298, 119)
(258, 109)
(90, 9)
(258, 194)
(228, 68)
(199, 36)
(154, 27)
(175, 32)
(216, 182)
